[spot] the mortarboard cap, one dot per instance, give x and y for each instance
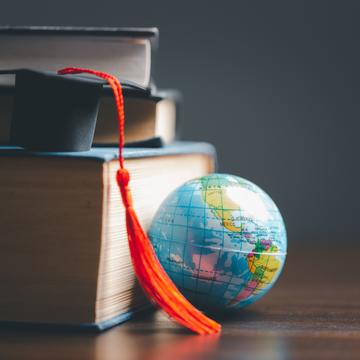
(54, 112)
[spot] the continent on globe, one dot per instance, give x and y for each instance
(221, 239)
(221, 205)
(263, 266)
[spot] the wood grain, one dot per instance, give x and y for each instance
(313, 312)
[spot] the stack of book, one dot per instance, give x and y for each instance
(64, 256)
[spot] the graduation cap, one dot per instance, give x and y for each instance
(57, 111)
(53, 112)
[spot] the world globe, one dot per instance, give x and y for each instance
(222, 241)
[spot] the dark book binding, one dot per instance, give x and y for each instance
(92, 327)
(104, 154)
(142, 32)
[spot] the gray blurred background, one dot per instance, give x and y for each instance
(274, 85)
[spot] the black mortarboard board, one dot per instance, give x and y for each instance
(54, 112)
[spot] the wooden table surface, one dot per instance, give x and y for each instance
(313, 312)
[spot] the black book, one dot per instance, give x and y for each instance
(124, 52)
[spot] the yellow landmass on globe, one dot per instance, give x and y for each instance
(222, 206)
(264, 266)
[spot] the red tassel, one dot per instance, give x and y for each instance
(151, 275)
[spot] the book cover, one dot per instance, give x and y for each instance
(127, 53)
(104, 155)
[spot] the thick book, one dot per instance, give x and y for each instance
(64, 256)
(127, 53)
(149, 114)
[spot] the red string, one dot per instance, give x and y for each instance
(151, 275)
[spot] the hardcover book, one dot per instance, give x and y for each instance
(149, 114)
(123, 52)
(64, 256)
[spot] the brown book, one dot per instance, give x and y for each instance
(64, 255)
(147, 116)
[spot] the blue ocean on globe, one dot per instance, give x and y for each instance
(221, 239)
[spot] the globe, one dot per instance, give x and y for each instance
(222, 241)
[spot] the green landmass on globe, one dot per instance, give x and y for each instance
(221, 239)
